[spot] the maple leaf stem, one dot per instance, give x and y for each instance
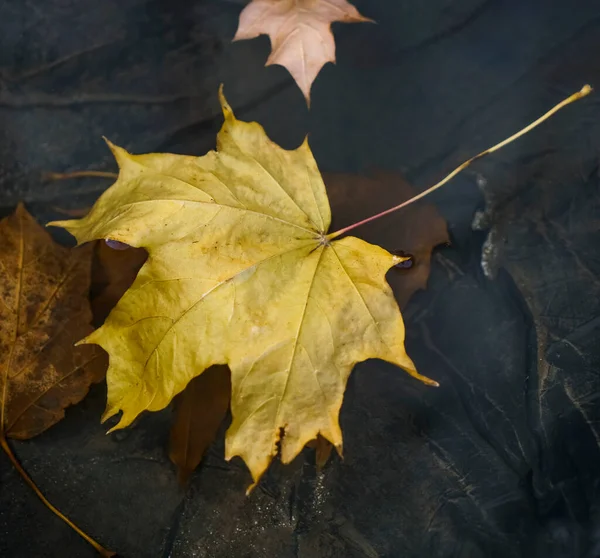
(13, 458)
(585, 90)
(79, 174)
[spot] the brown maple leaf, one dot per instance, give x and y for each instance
(44, 310)
(199, 412)
(300, 33)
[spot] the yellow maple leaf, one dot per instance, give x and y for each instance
(300, 33)
(241, 272)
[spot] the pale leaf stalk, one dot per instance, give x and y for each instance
(585, 90)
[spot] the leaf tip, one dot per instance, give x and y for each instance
(109, 413)
(70, 225)
(305, 86)
(120, 154)
(398, 259)
(114, 148)
(57, 223)
(91, 339)
(428, 381)
(413, 372)
(225, 107)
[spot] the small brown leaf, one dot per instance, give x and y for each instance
(414, 231)
(44, 311)
(113, 272)
(199, 412)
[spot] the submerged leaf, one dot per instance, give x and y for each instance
(113, 272)
(199, 412)
(44, 310)
(300, 33)
(241, 272)
(416, 230)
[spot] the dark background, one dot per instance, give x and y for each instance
(503, 460)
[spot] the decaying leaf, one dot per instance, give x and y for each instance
(44, 310)
(199, 411)
(416, 230)
(113, 272)
(241, 271)
(300, 33)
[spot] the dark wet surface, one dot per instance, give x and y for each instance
(503, 460)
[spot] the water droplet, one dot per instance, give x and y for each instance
(116, 245)
(406, 264)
